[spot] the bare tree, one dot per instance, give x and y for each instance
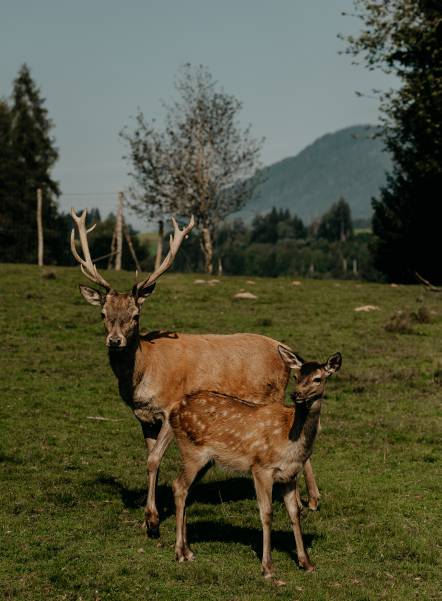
(201, 162)
(150, 194)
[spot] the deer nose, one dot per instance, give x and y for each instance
(114, 341)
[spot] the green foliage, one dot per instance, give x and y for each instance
(8, 178)
(277, 225)
(403, 37)
(279, 244)
(336, 223)
(27, 157)
(73, 487)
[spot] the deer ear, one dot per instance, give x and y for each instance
(92, 296)
(333, 364)
(142, 293)
(293, 360)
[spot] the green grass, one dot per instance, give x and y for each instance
(73, 488)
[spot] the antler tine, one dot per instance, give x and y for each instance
(175, 241)
(86, 265)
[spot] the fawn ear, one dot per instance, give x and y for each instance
(293, 360)
(92, 296)
(333, 364)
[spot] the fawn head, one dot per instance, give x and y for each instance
(120, 311)
(310, 376)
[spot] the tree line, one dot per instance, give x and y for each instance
(280, 244)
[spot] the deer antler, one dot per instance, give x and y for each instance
(174, 244)
(86, 265)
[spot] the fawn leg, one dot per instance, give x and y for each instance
(291, 503)
(312, 488)
(263, 480)
(180, 490)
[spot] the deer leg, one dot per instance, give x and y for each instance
(263, 480)
(180, 490)
(156, 449)
(312, 488)
(291, 503)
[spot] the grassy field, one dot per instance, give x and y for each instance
(73, 488)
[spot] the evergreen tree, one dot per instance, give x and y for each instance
(277, 225)
(336, 224)
(33, 155)
(403, 37)
(8, 180)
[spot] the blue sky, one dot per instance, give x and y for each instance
(96, 62)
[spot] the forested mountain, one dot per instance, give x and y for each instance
(349, 163)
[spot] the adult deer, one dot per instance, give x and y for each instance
(155, 371)
(271, 441)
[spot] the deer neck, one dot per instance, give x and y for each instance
(123, 364)
(305, 425)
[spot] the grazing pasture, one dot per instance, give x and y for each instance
(72, 458)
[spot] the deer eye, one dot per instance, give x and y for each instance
(103, 315)
(136, 317)
(317, 379)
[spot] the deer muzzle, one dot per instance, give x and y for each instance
(116, 341)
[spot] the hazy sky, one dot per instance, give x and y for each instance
(97, 61)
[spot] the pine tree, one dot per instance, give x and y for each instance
(8, 180)
(336, 223)
(33, 155)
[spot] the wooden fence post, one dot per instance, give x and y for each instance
(40, 248)
(119, 232)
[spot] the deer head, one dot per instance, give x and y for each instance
(120, 311)
(310, 376)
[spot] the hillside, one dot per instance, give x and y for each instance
(349, 163)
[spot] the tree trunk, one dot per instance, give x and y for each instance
(207, 246)
(159, 254)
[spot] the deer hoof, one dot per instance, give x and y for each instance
(267, 572)
(153, 531)
(307, 566)
(313, 504)
(184, 555)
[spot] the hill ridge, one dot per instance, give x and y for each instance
(350, 162)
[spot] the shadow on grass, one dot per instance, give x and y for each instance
(223, 532)
(10, 459)
(211, 493)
